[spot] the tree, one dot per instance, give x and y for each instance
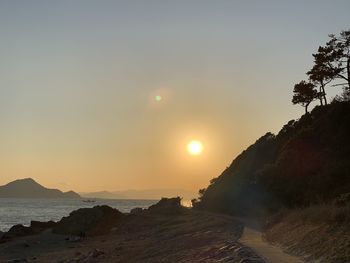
(332, 62)
(320, 74)
(304, 94)
(335, 57)
(341, 47)
(201, 192)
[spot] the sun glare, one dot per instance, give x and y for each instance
(195, 147)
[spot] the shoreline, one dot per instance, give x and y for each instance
(165, 232)
(22, 211)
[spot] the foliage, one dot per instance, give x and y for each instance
(304, 93)
(307, 162)
(339, 59)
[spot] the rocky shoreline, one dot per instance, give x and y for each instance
(165, 232)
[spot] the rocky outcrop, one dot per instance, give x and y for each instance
(42, 225)
(94, 221)
(20, 230)
(167, 206)
(98, 220)
(136, 210)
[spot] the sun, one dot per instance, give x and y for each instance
(195, 147)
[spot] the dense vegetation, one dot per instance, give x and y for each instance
(307, 162)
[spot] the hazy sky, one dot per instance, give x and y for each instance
(78, 81)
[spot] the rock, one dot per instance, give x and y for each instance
(96, 253)
(136, 210)
(98, 220)
(73, 239)
(42, 225)
(343, 199)
(17, 231)
(167, 206)
(20, 230)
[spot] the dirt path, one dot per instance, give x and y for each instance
(272, 254)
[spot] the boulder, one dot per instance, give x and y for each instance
(167, 206)
(20, 230)
(98, 220)
(42, 225)
(17, 231)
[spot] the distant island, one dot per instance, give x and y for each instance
(28, 188)
(153, 194)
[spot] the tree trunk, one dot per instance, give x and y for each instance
(307, 105)
(348, 69)
(320, 96)
(324, 94)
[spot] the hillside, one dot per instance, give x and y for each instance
(307, 162)
(28, 188)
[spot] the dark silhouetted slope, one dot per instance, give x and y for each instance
(307, 162)
(28, 188)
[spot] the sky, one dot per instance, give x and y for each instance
(106, 95)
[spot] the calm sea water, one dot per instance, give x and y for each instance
(21, 211)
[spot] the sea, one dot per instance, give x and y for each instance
(21, 211)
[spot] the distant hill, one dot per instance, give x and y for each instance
(28, 188)
(307, 162)
(141, 194)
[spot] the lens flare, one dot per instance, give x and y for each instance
(157, 98)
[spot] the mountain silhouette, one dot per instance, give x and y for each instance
(28, 188)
